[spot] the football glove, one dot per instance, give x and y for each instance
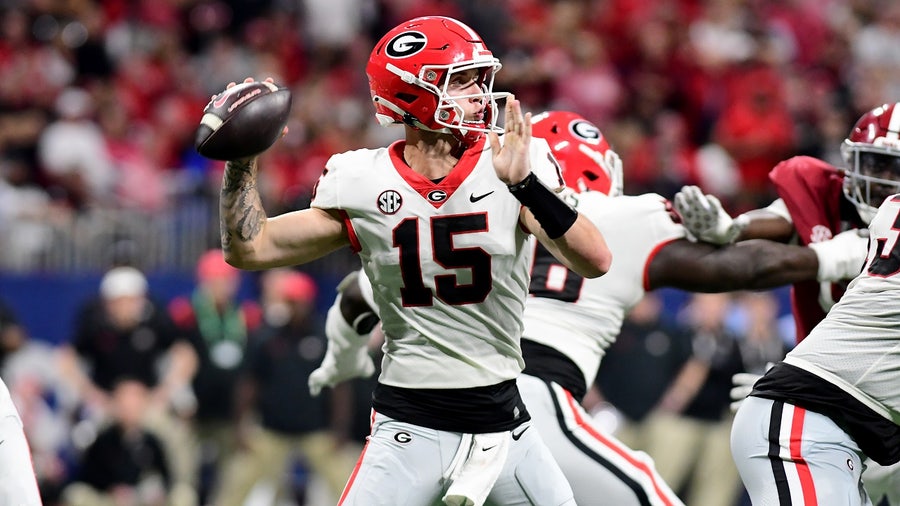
(842, 256)
(742, 384)
(347, 354)
(704, 217)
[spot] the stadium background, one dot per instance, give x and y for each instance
(99, 100)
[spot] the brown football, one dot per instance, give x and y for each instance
(243, 120)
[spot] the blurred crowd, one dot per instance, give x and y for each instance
(98, 106)
(199, 399)
(99, 100)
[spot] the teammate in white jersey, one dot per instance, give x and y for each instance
(810, 422)
(571, 320)
(442, 222)
(18, 485)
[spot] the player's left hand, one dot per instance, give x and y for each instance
(705, 218)
(511, 160)
(742, 385)
(338, 367)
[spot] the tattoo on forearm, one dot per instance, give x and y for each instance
(241, 211)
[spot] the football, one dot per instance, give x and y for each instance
(243, 120)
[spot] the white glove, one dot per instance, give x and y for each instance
(705, 218)
(742, 384)
(842, 256)
(347, 355)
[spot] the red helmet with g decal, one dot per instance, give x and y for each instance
(587, 161)
(409, 71)
(872, 156)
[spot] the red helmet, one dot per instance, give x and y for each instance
(872, 156)
(587, 161)
(408, 76)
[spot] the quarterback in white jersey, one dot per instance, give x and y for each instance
(810, 421)
(18, 485)
(571, 320)
(480, 280)
(441, 221)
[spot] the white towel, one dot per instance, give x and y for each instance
(476, 467)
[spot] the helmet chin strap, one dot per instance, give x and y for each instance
(408, 118)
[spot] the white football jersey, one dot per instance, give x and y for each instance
(581, 317)
(448, 261)
(857, 346)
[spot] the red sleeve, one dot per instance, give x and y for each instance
(812, 191)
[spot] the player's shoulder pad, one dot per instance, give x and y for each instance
(354, 160)
(544, 164)
(884, 221)
(804, 168)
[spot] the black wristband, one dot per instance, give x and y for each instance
(554, 215)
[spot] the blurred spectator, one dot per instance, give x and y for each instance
(292, 424)
(757, 130)
(125, 334)
(74, 154)
(640, 365)
(218, 325)
(126, 465)
(26, 213)
(759, 326)
(874, 50)
(689, 431)
(46, 413)
(12, 334)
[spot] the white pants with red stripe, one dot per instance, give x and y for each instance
(790, 456)
(406, 465)
(600, 468)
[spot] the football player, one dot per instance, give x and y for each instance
(803, 434)
(442, 222)
(570, 320)
(816, 202)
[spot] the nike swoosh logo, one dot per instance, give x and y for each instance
(517, 436)
(488, 448)
(473, 198)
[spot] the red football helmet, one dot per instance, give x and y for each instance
(408, 76)
(872, 156)
(587, 161)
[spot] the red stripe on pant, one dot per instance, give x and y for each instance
(807, 486)
(641, 466)
(358, 464)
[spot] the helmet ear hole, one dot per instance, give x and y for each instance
(592, 176)
(406, 97)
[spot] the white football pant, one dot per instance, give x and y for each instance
(600, 469)
(405, 465)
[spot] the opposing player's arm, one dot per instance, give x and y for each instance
(755, 264)
(747, 265)
(763, 223)
(252, 240)
(581, 248)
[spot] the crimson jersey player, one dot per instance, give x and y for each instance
(816, 202)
